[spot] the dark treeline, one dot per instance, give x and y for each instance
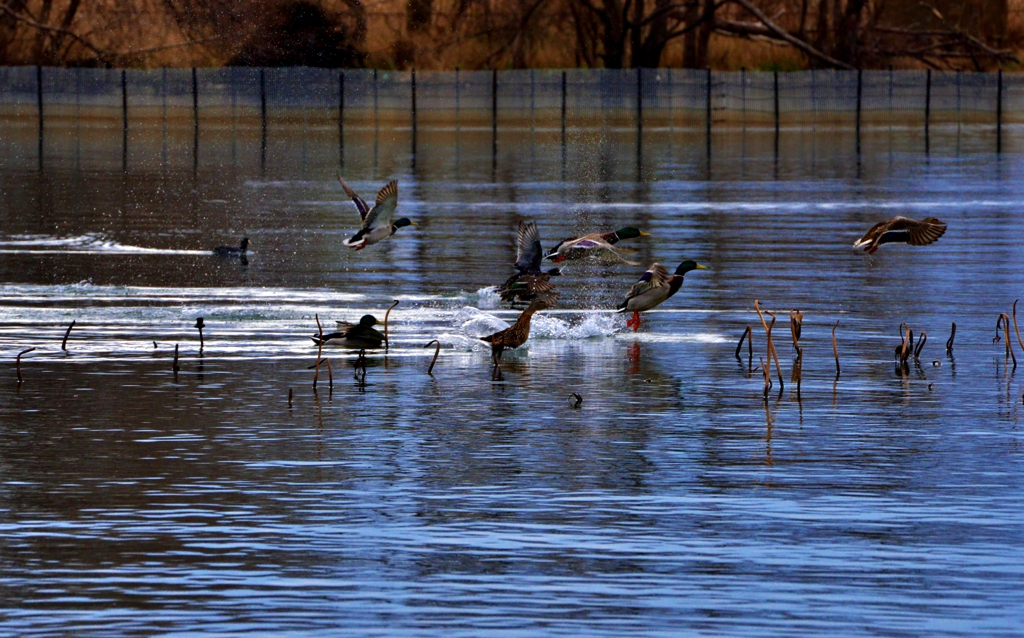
(473, 34)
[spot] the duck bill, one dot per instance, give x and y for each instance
(643, 234)
(699, 267)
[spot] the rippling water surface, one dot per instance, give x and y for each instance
(231, 498)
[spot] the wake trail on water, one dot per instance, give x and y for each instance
(88, 244)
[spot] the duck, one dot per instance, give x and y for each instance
(359, 336)
(233, 251)
(530, 280)
(517, 334)
(377, 224)
(597, 245)
(653, 288)
(903, 230)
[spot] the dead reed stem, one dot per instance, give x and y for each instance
(796, 322)
(835, 348)
(330, 376)
(767, 377)
(437, 351)
(920, 345)
(949, 342)
(319, 350)
(908, 338)
(386, 342)
(771, 344)
(289, 397)
(1015, 328)
(175, 365)
(64, 343)
(1005, 320)
(739, 346)
(18, 363)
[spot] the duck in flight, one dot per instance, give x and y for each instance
(377, 224)
(901, 229)
(653, 288)
(597, 245)
(529, 280)
(358, 336)
(233, 251)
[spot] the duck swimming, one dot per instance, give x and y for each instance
(359, 336)
(530, 281)
(598, 245)
(901, 229)
(653, 288)
(377, 224)
(232, 251)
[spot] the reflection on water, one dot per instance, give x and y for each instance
(230, 497)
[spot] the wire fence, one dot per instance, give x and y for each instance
(332, 101)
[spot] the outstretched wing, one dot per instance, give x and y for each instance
(528, 251)
(356, 199)
(384, 207)
(920, 233)
(655, 277)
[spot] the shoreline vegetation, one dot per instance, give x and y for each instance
(772, 35)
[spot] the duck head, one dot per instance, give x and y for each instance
(689, 265)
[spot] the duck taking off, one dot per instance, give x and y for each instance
(233, 251)
(529, 280)
(653, 288)
(901, 229)
(377, 224)
(359, 336)
(597, 245)
(517, 334)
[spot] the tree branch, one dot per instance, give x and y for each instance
(101, 55)
(774, 30)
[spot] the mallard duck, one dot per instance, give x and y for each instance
(530, 281)
(357, 336)
(901, 229)
(377, 224)
(517, 334)
(594, 245)
(232, 251)
(653, 288)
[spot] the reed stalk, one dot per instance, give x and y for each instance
(750, 345)
(175, 365)
(289, 398)
(767, 376)
(330, 376)
(64, 343)
(920, 345)
(437, 351)
(319, 350)
(771, 344)
(386, 342)
(949, 342)
(18, 363)
(835, 348)
(1005, 320)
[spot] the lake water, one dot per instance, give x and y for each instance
(674, 500)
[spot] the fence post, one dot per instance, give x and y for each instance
(414, 115)
(124, 120)
(494, 115)
(341, 119)
(639, 118)
(775, 78)
(195, 120)
(927, 108)
(999, 111)
(860, 86)
(708, 112)
(263, 118)
(39, 107)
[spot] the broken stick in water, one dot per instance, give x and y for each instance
(319, 350)
(175, 365)
(771, 345)
(949, 342)
(64, 344)
(437, 351)
(18, 363)
(386, 342)
(920, 345)
(749, 339)
(200, 325)
(835, 349)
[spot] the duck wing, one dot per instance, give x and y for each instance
(655, 278)
(528, 250)
(356, 199)
(384, 207)
(917, 233)
(598, 248)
